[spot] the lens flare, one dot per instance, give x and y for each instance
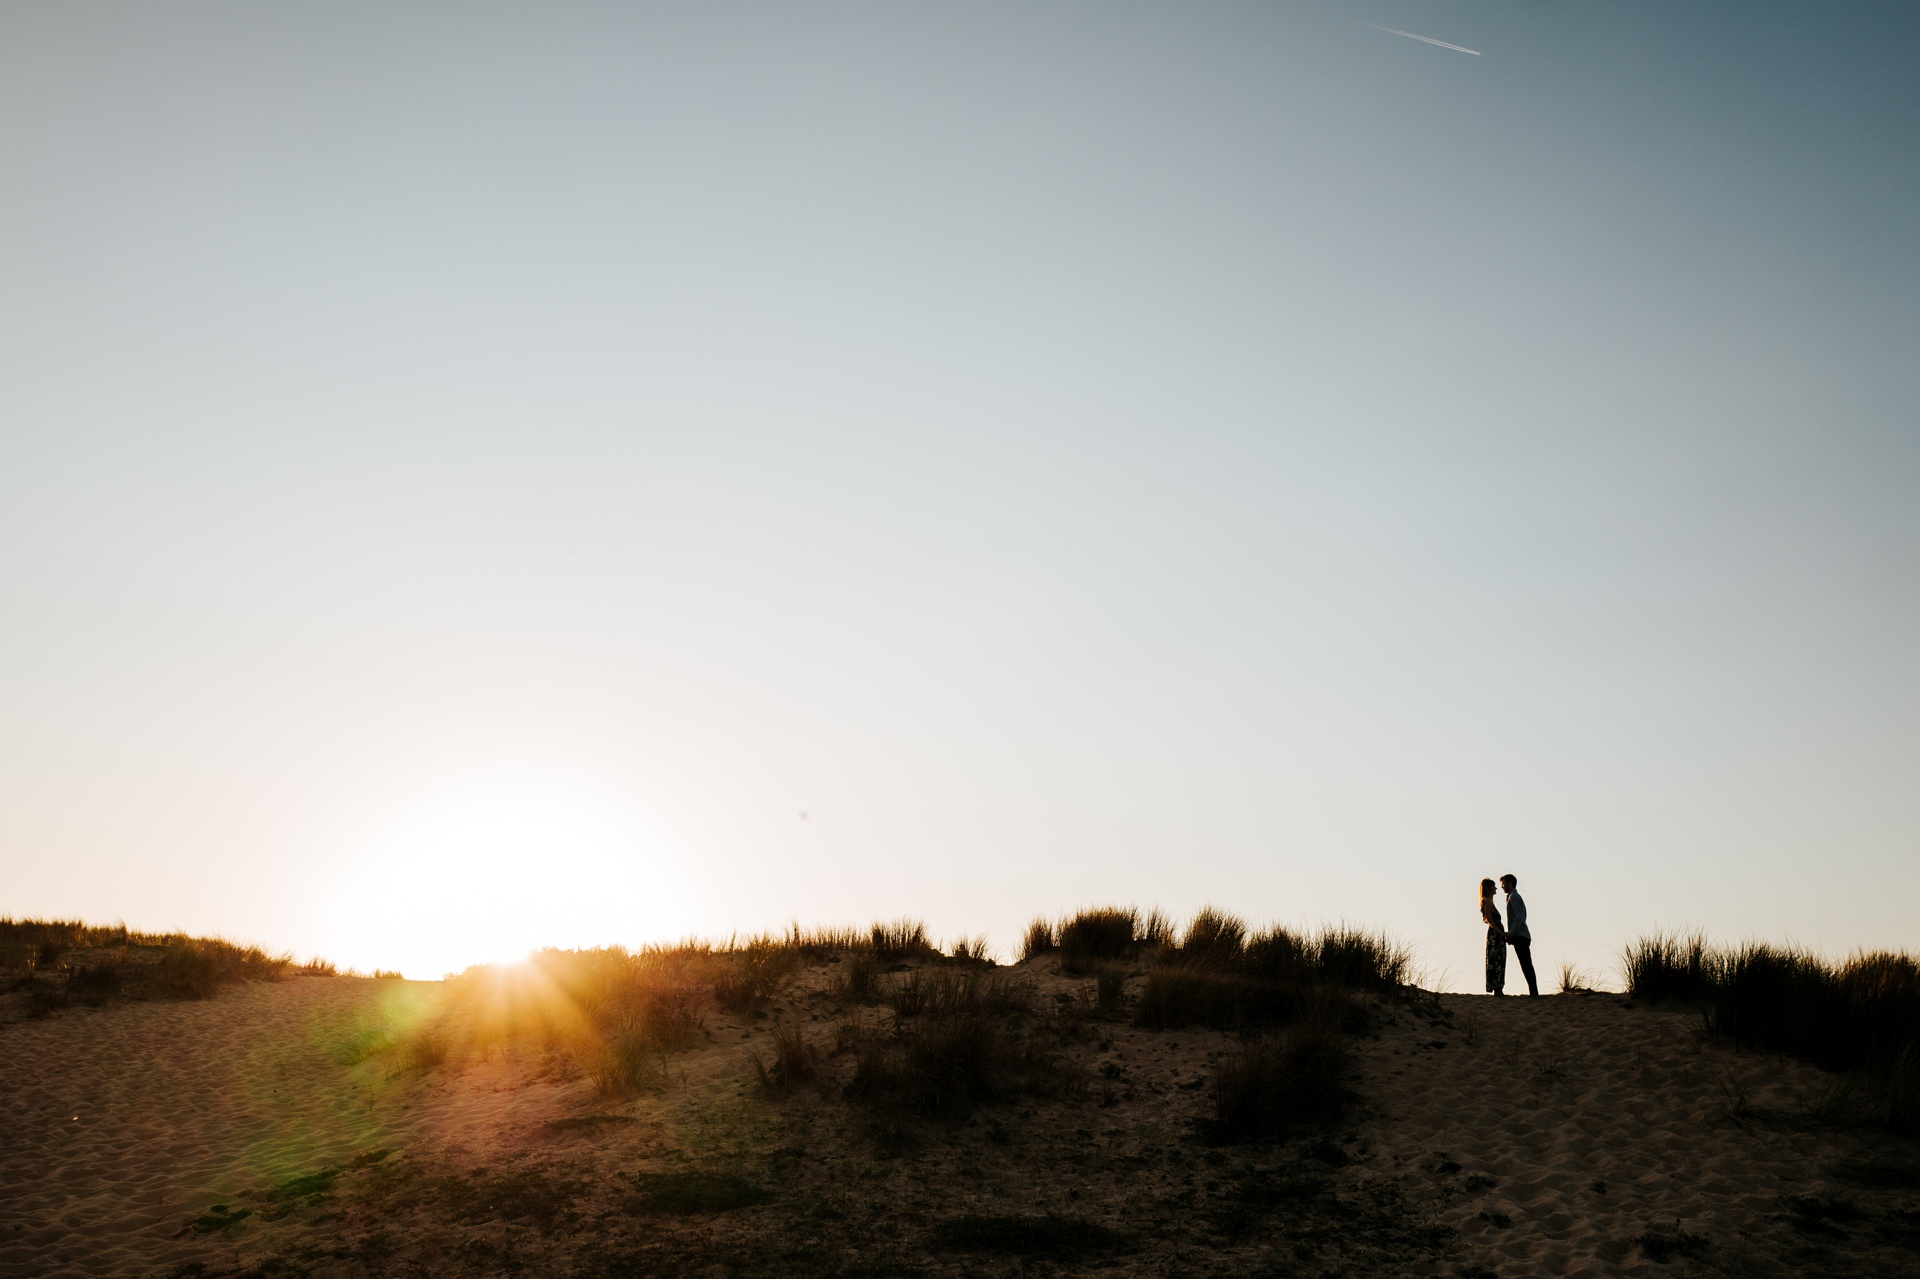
(489, 874)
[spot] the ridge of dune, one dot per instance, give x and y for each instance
(1515, 1137)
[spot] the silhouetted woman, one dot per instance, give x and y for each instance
(1496, 940)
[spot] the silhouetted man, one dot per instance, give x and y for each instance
(1517, 935)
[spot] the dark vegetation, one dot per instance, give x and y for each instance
(1664, 1245)
(1054, 1237)
(1278, 1086)
(693, 1192)
(618, 1015)
(59, 963)
(1293, 997)
(1861, 1015)
(931, 1036)
(959, 1038)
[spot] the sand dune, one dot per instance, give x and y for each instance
(1595, 1121)
(1515, 1137)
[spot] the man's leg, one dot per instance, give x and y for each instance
(1524, 949)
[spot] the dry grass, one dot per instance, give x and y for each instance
(1095, 937)
(1219, 975)
(795, 1061)
(901, 939)
(1279, 1086)
(1862, 1015)
(60, 963)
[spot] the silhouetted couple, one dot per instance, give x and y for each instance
(1513, 933)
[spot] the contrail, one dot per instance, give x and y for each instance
(1457, 48)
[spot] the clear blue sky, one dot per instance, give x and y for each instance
(473, 475)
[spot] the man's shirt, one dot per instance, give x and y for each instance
(1517, 918)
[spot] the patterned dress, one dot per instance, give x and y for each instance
(1496, 949)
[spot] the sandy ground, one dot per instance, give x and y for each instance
(1551, 1132)
(253, 1134)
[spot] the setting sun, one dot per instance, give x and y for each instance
(487, 873)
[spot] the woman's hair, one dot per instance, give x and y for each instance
(1486, 889)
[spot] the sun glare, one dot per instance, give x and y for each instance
(487, 876)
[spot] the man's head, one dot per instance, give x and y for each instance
(1509, 883)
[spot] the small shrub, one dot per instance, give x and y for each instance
(630, 1059)
(1213, 940)
(1669, 966)
(750, 977)
(1279, 955)
(1038, 941)
(972, 950)
(1276, 1087)
(816, 944)
(425, 1049)
(945, 992)
(1177, 995)
(901, 939)
(1094, 937)
(387, 974)
(1359, 960)
(908, 995)
(197, 967)
(858, 981)
(794, 1062)
(943, 1066)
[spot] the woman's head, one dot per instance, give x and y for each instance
(1486, 889)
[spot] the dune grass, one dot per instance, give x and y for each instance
(1280, 1085)
(795, 1061)
(60, 963)
(1859, 1015)
(1222, 976)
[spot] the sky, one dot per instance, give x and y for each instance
(483, 476)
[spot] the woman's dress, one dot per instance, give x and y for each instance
(1496, 951)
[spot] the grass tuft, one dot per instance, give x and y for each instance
(1862, 1015)
(858, 981)
(1095, 937)
(1669, 966)
(1279, 1086)
(794, 1062)
(63, 962)
(751, 976)
(972, 950)
(1218, 976)
(956, 1049)
(901, 939)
